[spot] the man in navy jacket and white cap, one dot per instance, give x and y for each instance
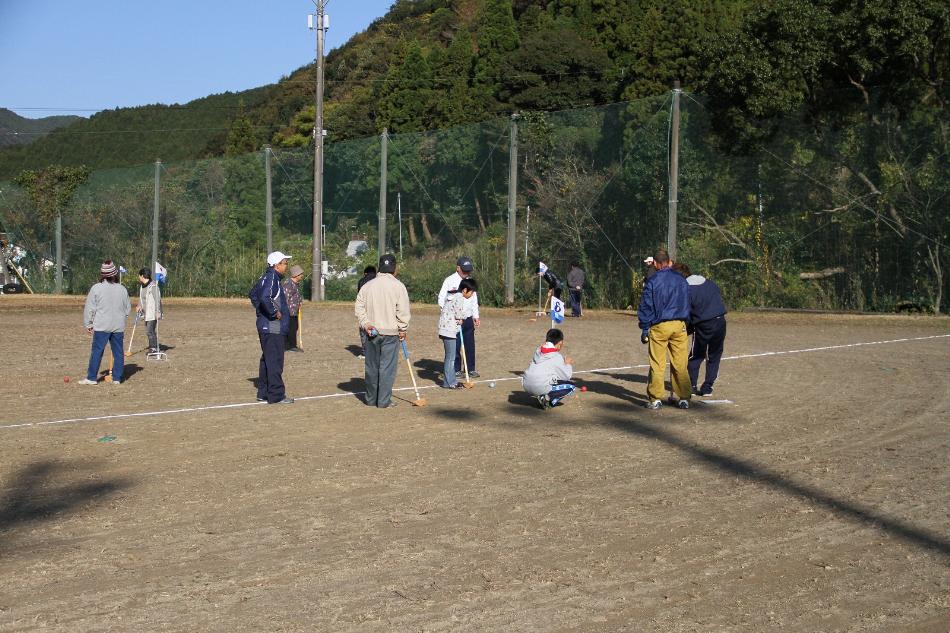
(273, 323)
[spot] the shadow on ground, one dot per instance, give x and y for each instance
(47, 490)
(428, 369)
(759, 474)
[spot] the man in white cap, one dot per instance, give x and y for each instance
(273, 322)
(463, 270)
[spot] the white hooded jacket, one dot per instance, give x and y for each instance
(547, 367)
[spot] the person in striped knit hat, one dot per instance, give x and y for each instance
(107, 308)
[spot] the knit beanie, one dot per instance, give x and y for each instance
(108, 269)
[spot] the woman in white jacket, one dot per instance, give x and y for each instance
(454, 311)
(149, 307)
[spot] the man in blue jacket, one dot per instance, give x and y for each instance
(273, 323)
(663, 313)
(707, 321)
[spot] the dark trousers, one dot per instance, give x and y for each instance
(382, 359)
(708, 339)
(292, 333)
(99, 341)
(270, 376)
(576, 296)
(468, 338)
(152, 335)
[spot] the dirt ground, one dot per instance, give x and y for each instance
(817, 499)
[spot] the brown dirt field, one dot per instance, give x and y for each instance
(818, 501)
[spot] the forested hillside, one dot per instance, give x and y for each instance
(814, 148)
(18, 130)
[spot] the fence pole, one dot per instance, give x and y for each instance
(158, 168)
(512, 211)
(383, 157)
(269, 209)
(674, 171)
(399, 208)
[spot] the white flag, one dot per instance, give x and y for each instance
(557, 310)
(160, 273)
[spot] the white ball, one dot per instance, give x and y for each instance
(492, 385)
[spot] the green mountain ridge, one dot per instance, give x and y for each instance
(18, 130)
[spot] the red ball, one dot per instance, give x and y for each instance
(584, 388)
(66, 379)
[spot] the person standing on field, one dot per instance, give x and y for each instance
(707, 321)
(382, 310)
(463, 270)
(273, 321)
(575, 284)
(662, 316)
(369, 274)
(107, 308)
(292, 292)
(149, 307)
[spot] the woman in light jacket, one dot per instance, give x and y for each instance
(107, 307)
(150, 307)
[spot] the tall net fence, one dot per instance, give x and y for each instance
(849, 217)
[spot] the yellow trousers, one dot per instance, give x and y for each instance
(669, 336)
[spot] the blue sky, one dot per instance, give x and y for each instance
(59, 57)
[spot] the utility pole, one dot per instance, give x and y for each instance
(399, 209)
(59, 251)
(269, 209)
(383, 158)
(158, 169)
(317, 290)
(512, 211)
(674, 171)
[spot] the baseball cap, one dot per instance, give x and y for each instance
(276, 257)
(648, 260)
(465, 264)
(387, 263)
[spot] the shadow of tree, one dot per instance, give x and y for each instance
(42, 491)
(757, 473)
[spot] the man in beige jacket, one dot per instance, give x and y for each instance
(382, 309)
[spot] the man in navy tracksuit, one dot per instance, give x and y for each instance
(273, 323)
(707, 320)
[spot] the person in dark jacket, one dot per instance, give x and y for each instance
(369, 274)
(707, 322)
(294, 301)
(662, 315)
(273, 324)
(575, 285)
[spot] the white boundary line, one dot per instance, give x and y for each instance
(344, 394)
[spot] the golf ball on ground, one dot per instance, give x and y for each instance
(492, 385)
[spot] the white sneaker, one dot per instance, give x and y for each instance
(86, 381)
(116, 382)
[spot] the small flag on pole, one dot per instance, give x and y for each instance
(557, 310)
(160, 273)
(542, 268)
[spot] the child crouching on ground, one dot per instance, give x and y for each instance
(548, 378)
(453, 313)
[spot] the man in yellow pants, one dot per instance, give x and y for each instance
(662, 315)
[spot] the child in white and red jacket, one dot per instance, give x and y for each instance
(548, 378)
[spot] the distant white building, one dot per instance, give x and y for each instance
(356, 248)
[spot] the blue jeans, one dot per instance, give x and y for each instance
(99, 340)
(448, 367)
